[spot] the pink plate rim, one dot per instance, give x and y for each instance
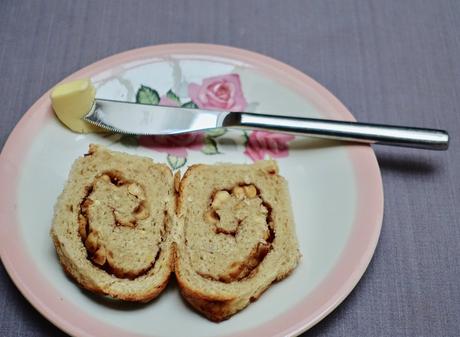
(333, 289)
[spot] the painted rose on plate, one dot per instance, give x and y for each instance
(224, 92)
(219, 92)
(262, 143)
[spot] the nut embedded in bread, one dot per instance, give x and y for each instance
(112, 224)
(235, 236)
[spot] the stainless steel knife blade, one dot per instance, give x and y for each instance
(144, 119)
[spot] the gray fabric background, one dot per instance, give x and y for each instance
(389, 61)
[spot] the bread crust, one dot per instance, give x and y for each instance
(217, 309)
(214, 310)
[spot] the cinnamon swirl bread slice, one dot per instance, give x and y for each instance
(112, 224)
(236, 235)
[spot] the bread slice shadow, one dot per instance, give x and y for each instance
(122, 305)
(113, 303)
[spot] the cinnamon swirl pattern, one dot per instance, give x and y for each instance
(113, 222)
(239, 220)
(236, 235)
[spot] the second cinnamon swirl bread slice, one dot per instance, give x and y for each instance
(236, 235)
(112, 224)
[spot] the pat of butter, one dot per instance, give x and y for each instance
(72, 101)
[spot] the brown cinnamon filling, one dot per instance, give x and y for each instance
(115, 221)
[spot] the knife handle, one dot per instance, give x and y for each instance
(429, 139)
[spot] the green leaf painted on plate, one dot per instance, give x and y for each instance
(209, 146)
(176, 162)
(172, 96)
(147, 95)
(214, 133)
(129, 140)
(190, 105)
(245, 138)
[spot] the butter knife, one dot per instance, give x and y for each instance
(143, 119)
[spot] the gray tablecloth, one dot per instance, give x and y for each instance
(389, 61)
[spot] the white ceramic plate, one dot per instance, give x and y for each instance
(336, 190)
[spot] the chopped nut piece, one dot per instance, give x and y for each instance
(250, 191)
(136, 190)
(82, 222)
(91, 242)
(211, 218)
(241, 204)
(266, 236)
(100, 256)
(141, 212)
(219, 199)
(106, 178)
(238, 192)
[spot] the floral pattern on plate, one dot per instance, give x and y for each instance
(223, 92)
